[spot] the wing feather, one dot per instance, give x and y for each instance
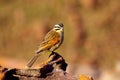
(51, 39)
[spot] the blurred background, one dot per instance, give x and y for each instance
(92, 34)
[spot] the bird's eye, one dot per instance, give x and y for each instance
(57, 27)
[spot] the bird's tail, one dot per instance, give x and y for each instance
(32, 61)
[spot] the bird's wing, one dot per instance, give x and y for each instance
(48, 44)
(51, 34)
(50, 40)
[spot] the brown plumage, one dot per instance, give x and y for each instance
(51, 42)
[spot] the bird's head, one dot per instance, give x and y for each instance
(59, 27)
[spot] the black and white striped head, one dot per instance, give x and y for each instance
(59, 27)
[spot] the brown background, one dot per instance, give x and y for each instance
(92, 33)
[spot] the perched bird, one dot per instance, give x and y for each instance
(51, 42)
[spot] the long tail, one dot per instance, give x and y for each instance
(32, 61)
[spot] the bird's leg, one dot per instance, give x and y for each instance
(55, 61)
(51, 60)
(47, 61)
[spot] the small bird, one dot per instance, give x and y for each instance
(51, 42)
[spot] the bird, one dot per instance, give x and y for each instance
(52, 41)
